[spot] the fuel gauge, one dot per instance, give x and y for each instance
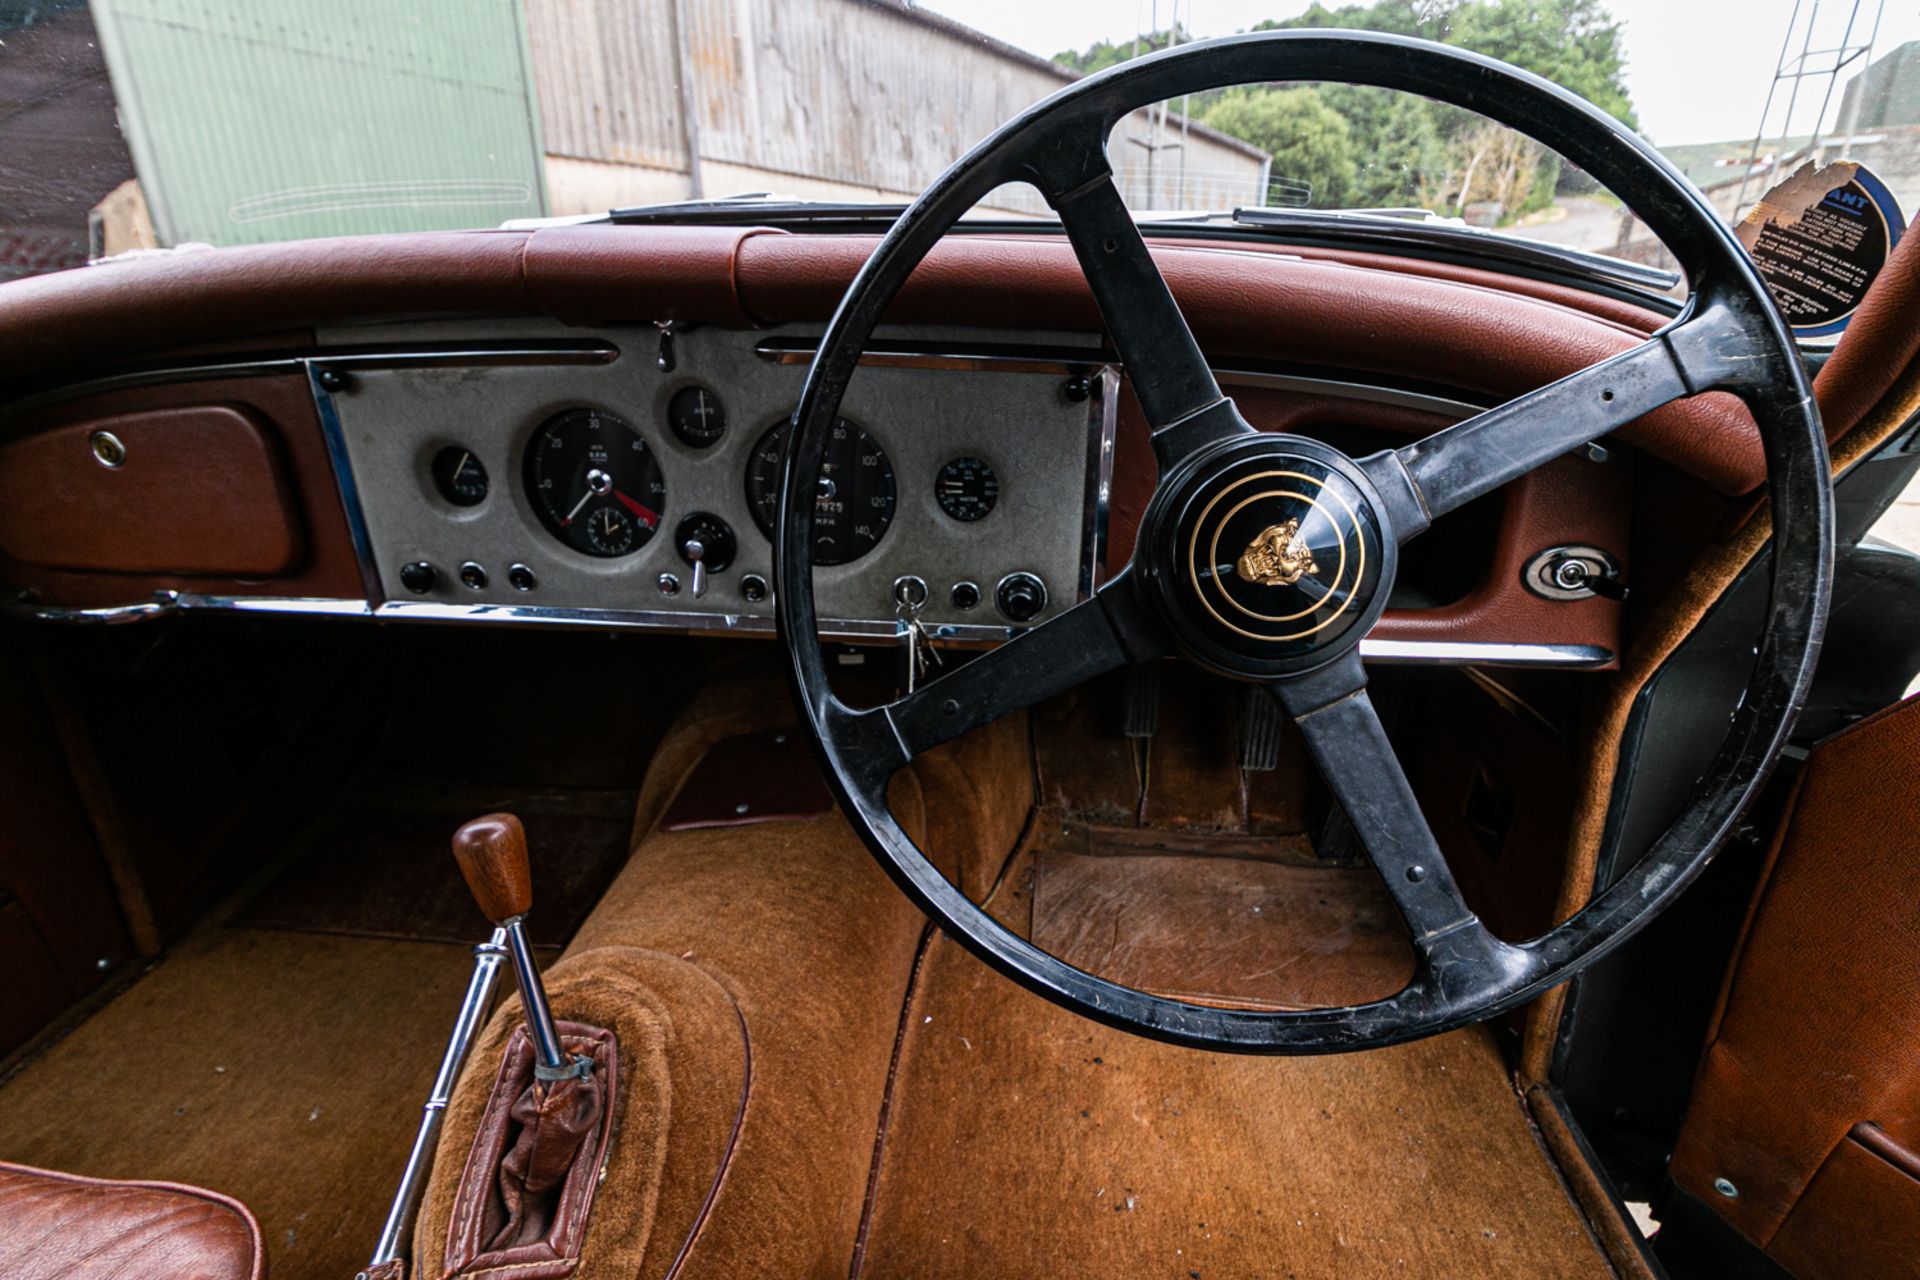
(459, 476)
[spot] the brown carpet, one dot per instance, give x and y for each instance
(284, 1069)
(1024, 1141)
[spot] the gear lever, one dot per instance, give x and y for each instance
(492, 853)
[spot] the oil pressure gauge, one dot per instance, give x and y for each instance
(459, 476)
(967, 489)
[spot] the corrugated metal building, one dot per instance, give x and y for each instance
(253, 120)
(820, 98)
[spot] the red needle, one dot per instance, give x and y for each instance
(647, 514)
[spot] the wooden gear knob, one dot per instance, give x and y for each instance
(492, 853)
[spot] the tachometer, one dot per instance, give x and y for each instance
(853, 499)
(594, 483)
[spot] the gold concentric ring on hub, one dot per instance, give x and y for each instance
(1213, 553)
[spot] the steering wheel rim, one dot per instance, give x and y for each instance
(1728, 337)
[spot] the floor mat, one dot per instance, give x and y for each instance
(286, 1069)
(1226, 930)
(1025, 1141)
(381, 864)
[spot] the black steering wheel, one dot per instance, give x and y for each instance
(1267, 557)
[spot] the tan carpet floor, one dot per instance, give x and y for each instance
(1025, 1141)
(286, 1069)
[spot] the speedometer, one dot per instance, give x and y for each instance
(594, 483)
(853, 498)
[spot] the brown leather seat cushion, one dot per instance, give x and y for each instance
(64, 1225)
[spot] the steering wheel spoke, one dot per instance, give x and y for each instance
(1169, 374)
(1344, 735)
(1470, 459)
(1102, 634)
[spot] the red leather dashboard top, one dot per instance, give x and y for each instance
(1347, 311)
(1477, 334)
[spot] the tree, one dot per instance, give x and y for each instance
(1310, 141)
(1100, 56)
(1574, 43)
(1405, 149)
(1400, 154)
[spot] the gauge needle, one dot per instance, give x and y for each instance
(576, 508)
(650, 516)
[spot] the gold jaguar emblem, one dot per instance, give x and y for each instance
(1277, 557)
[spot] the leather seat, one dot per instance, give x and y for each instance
(63, 1225)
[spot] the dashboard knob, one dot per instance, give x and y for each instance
(418, 577)
(1021, 597)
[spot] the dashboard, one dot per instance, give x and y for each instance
(638, 475)
(588, 435)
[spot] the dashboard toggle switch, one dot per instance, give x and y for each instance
(707, 544)
(695, 554)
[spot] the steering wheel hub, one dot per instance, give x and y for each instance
(1271, 555)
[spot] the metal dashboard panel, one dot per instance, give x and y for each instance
(1046, 448)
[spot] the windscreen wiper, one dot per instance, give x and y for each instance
(748, 210)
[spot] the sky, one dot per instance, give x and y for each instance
(1698, 70)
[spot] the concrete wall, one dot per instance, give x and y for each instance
(1889, 91)
(860, 99)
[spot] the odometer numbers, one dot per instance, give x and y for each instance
(594, 483)
(966, 489)
(853, 497)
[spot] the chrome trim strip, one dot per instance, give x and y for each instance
(308, 606)
(1570, 657)
(166, 602)
(881, 354)
(1103, 413)
(348, 358)
(663, 620)
(1573, 657)
(343, 480)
